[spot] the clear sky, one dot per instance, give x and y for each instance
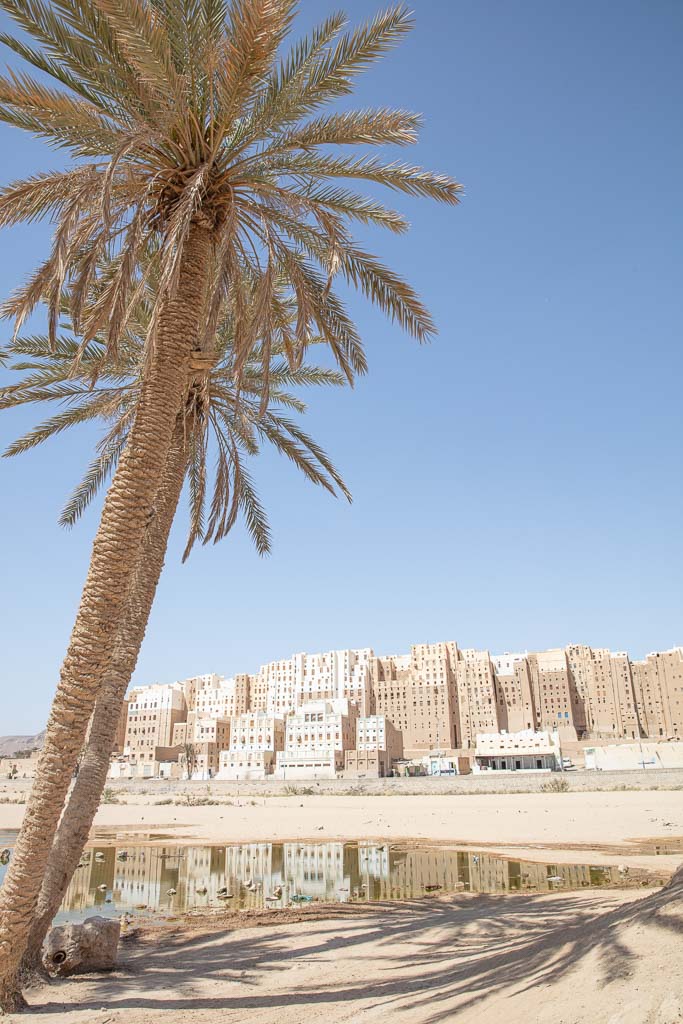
(518, 483)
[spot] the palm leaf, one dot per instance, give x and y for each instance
(98, 472)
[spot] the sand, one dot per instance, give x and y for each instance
(589, 957)
(623, 825)
(580, 958)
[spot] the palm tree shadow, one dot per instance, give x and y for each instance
(430, 956)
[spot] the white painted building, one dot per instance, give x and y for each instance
(217, 697)
(378, 744)
(316, 736)
(245, 765)
(284, 686)
(518, 751)
(375, 732)
(257, 730)
(255, 739)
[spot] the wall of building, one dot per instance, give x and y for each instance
(153, 712)
(632, 756)
(246, 764)
(367, 764)
(477, 697)
(257, 731)
(658, 685)
(417, 694)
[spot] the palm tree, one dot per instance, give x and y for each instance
(218, 412)
(188, 136)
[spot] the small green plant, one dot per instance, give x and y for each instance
(555, 786)
(299, 791)
(109, 796)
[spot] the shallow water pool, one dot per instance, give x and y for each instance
(171, 879)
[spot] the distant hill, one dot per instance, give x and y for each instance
(9, 745)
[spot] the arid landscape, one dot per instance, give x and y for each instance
(608, 956)
(624, 824)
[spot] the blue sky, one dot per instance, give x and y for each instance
(518, 483)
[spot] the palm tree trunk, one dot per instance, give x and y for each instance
(113, 562)
(79, 813)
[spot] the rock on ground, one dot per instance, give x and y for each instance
(80, 948)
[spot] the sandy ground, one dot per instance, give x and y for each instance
(581, 958)
(589, 957)
(621, 825)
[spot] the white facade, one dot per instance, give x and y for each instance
(321, 764)
(152, 713)
(371, 732)
(332, 675)
(157, 696)
(315, 739)
(209, 729)
(518, 751)
(321, 725)
(376, 732)
(216, 697)
(245, 764)
(505, 664)
(255, 737)
(278, 681)
(257, 731)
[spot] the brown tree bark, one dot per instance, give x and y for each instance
(84, 799)
(113, 562)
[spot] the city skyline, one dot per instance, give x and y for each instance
(496, 659)
(318, 714)
(402, 650)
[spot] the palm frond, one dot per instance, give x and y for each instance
(254, 514)
(184, 115)
(314, 74)
(76, 41)
(99, 405)
(141, 37)
(45, 194)
(255, 30)
(61, 119)
(387, 290)
(399, 177)
(98, 472)
(196, 478)
(379, 127)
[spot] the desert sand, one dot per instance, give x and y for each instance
(581, 958)
(589, 957)
(612, 824)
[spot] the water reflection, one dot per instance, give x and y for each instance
(172, 879)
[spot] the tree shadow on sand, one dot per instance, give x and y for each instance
(427, 955)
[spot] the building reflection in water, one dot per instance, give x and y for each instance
(172, 879)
